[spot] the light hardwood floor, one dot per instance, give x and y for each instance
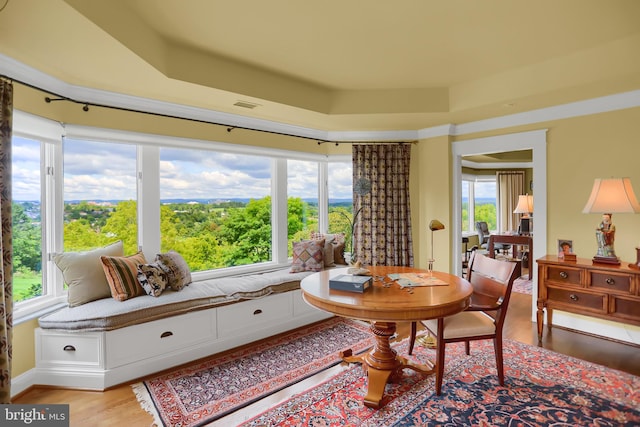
(118, 406)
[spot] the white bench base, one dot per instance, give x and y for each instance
(99, 360)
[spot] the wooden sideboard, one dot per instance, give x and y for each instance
(599, 290)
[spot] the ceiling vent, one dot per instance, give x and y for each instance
(246, 104)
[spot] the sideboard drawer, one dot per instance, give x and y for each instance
(611, 281)
(568, 275)
(625, 308)
(581, 301)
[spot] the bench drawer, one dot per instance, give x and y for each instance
(55, 349)
(236, 319)
(159, 337)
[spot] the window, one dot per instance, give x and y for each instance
(27, 218)
(215, 207)
(302, 200)
(478, 201)
(341, 199)
(99, 195)
(212, 202)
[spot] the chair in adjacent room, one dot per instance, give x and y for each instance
(492, 281)
(483, 238)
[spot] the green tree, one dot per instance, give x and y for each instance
(122, 224)
(79, 236)
(487, 212)
(247, 233)
(27, 237)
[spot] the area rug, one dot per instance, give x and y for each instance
(542, 388)
(208, 390)
(522, 285)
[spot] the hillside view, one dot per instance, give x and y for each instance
(208, 234)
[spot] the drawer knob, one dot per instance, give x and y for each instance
(69, 348)
(564, 274)
(573, 297)
(610, 281)
(258, 311)
(166, 334)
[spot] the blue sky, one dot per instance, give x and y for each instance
(185, 174)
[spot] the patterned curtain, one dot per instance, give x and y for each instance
(509, 185)
(383, 228)
(6, 290)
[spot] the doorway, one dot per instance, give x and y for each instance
(533, 140)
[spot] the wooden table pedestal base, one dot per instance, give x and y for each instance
(382, 364)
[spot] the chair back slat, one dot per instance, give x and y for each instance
(492, 280)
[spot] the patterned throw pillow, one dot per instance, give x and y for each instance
(122, 275)
(337, 242)
(153, 278)
(308, 255)
(176, 268)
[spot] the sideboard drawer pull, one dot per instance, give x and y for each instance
(564, 274)
(69, 348)
(573, 297)
(166, 334)
(610, 281)
(258, 311)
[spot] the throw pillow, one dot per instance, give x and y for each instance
(328, 247)
(308, 255)
(153, 278)
(176, 268)
(338, 244)
(122, 275)
(83, 273)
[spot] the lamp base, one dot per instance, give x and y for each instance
(613, 260)
(637, 264)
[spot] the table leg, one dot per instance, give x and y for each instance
(382, 363)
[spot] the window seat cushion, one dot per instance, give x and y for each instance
(107, 313)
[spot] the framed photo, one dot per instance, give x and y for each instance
(564, 247)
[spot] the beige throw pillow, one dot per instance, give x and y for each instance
(83, 273)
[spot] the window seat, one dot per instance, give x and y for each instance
(107, 314)
(106, 342)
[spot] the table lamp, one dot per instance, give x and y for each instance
(609, 196)
(525, 207)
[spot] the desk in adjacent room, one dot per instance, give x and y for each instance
(513, 239)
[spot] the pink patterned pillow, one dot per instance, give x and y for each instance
(337, 242)
(308, 255)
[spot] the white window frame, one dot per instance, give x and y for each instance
(51, 134)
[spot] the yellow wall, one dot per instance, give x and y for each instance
(579, 150)
(24, 353)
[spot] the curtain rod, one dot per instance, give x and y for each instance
(85, 107)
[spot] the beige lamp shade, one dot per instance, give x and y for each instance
(613, 195)
(525, 204)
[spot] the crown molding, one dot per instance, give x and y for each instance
(10, 67)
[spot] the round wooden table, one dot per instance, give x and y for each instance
(384, 304)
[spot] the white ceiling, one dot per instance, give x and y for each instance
(336, 64)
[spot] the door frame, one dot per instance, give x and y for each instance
(532, 140)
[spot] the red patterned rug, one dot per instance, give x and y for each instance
(208, 390)
(542, 388)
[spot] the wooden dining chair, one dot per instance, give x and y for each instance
(492, 281)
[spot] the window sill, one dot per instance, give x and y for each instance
(28, 310)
